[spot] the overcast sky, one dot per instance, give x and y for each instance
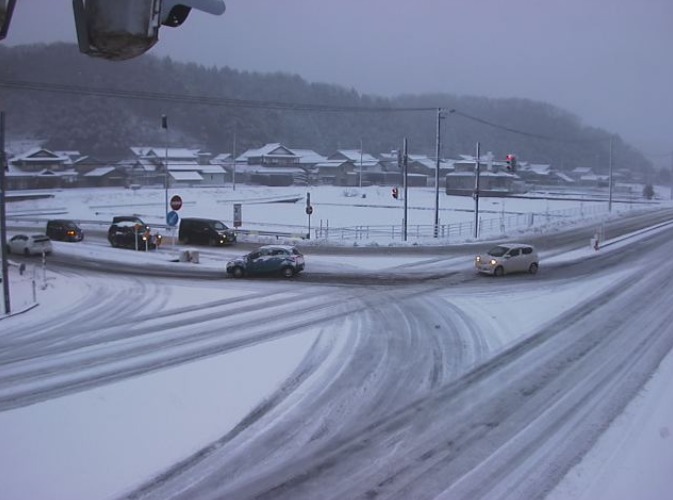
(608, 61)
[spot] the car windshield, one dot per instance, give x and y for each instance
(218, 226)
(498, 251)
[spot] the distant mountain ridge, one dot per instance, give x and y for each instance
(130, 97)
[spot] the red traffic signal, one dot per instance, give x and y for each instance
(396, 193)
(511, 163)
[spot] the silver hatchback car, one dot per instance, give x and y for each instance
(508, 258)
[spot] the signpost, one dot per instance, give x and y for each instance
(309, 211)
(238, 220)
(172, 217)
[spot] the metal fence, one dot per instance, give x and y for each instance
(461, 231)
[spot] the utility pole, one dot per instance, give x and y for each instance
(405, 164)
(437, 152)
(3, 217)
(610, 178)
(671, 175)
(476, 193)
(360, 164)
(233, 170)
(164, 125)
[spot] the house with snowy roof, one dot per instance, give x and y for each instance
(275, 165)
(185, 167)
(40, 168)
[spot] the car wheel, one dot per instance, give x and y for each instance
(212, 242)
(287, 272)
(499, 271)
(533, 268)
(237, 272)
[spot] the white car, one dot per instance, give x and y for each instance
(29, 244)
(508, 258)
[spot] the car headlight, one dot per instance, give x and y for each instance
(493, 262)
(478, 259)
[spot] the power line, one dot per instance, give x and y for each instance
(523, 132)
(263, 104)
(204, 100)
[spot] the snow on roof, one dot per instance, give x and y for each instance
(581, 170)
(210, 169)
(183, 166)
(273, 149)
(40, 154)
(99, 172)
(222, 157)
(308, 156)
(162, 152)
(563, 176)
(186, 176)
(355, 155)
(275, 170)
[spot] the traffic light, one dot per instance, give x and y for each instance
(123, 29)
(511, 163)
(396, 193)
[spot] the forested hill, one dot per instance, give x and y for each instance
(101, 108)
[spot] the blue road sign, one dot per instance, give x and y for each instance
(172, 218)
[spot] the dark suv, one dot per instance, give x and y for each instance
(131, 232)
(211, 232)
(285, 260)
(64, 230)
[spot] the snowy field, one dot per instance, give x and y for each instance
(103, 442)
(341, 216)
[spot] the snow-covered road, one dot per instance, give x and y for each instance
(455, 387)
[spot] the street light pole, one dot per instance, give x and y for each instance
(437, 152)
(610, 178)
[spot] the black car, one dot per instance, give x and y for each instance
(284, 260)
(131, 232)
(64, 230)
(195, 231)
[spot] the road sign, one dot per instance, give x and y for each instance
(176, 202)
(309, 210)
(237, 215)
(172, 218)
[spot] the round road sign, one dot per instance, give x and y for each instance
(172, 218)
(309, 210)
(176, 202)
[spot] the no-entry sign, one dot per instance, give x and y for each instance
(176, 202)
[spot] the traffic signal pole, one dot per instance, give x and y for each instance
(437, 152)
(3, 218)
(405, 164)
(476, 193)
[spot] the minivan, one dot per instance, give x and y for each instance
(196, 231)
(64, 230)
